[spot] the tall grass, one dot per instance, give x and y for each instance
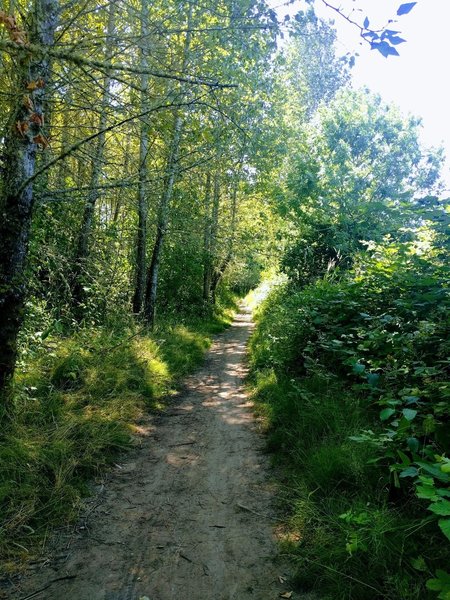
(76, 402)
(345, 536)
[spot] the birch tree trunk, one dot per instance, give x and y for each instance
(207, 266)
(82, 250)
(220, 270)
(141, 247)
(171, 168)
(213, 238)
(16, 201)
(161, 228)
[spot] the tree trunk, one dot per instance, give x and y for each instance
(220, 271)
(16, 201)
(171, 168)
(141, 249)
(65, 129)
(214, 228)
(82, 250)
(152, 277)
(207, 266)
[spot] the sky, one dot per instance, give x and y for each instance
(418, 80)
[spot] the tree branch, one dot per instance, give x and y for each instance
(111, 127)
(98, 64)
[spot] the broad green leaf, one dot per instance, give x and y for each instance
(433, 470)
(413, 444)
(444, 524)
(386, 413)
(358, 368)
(409, 413)
(409, 472)
(441, 508)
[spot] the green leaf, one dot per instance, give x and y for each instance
(419, 564)
(444, 524)
(373, 379)
(409, 413)
(386, 413)
(358, 368)
(409, 472)
(441, 507)
(404, 457)
(433, 470)
(413, 444)
(434, 585)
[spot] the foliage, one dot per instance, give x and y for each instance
(376, 340)
(167, 153)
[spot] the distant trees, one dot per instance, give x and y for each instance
(140, 142)
(357, 174)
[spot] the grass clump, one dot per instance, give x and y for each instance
(76, 401)
(344, 535)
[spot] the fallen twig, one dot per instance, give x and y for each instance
(182, 444)
(243, 507)
(185, 557)
(37, 592)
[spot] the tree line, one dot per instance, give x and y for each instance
(127, 127)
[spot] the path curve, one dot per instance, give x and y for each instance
(189, 515)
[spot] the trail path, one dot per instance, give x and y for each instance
(188, 516)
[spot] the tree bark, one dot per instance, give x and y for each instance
(141, 247)
(214, 229)
(207, 266)
(220, 271)
(171, 168)
(153, 272)
(16, 200)
(82, 250)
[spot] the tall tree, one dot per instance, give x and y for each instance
(142, 200)
(23, 138)
(169, 181)
(82, 249)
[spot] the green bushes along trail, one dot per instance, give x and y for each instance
(351, 375)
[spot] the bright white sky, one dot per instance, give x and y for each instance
(418, 80)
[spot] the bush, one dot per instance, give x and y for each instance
(351, 375)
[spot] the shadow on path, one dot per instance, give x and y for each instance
(188, 516)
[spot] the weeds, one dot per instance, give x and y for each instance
(350, 377)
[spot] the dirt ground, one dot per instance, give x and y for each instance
(187, 516)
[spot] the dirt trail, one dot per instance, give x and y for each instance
(188, 516)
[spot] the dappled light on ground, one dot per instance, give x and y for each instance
(190, 515)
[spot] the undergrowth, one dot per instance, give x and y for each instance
(77, 399)
(350, 377)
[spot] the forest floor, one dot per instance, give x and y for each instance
(188, 515)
